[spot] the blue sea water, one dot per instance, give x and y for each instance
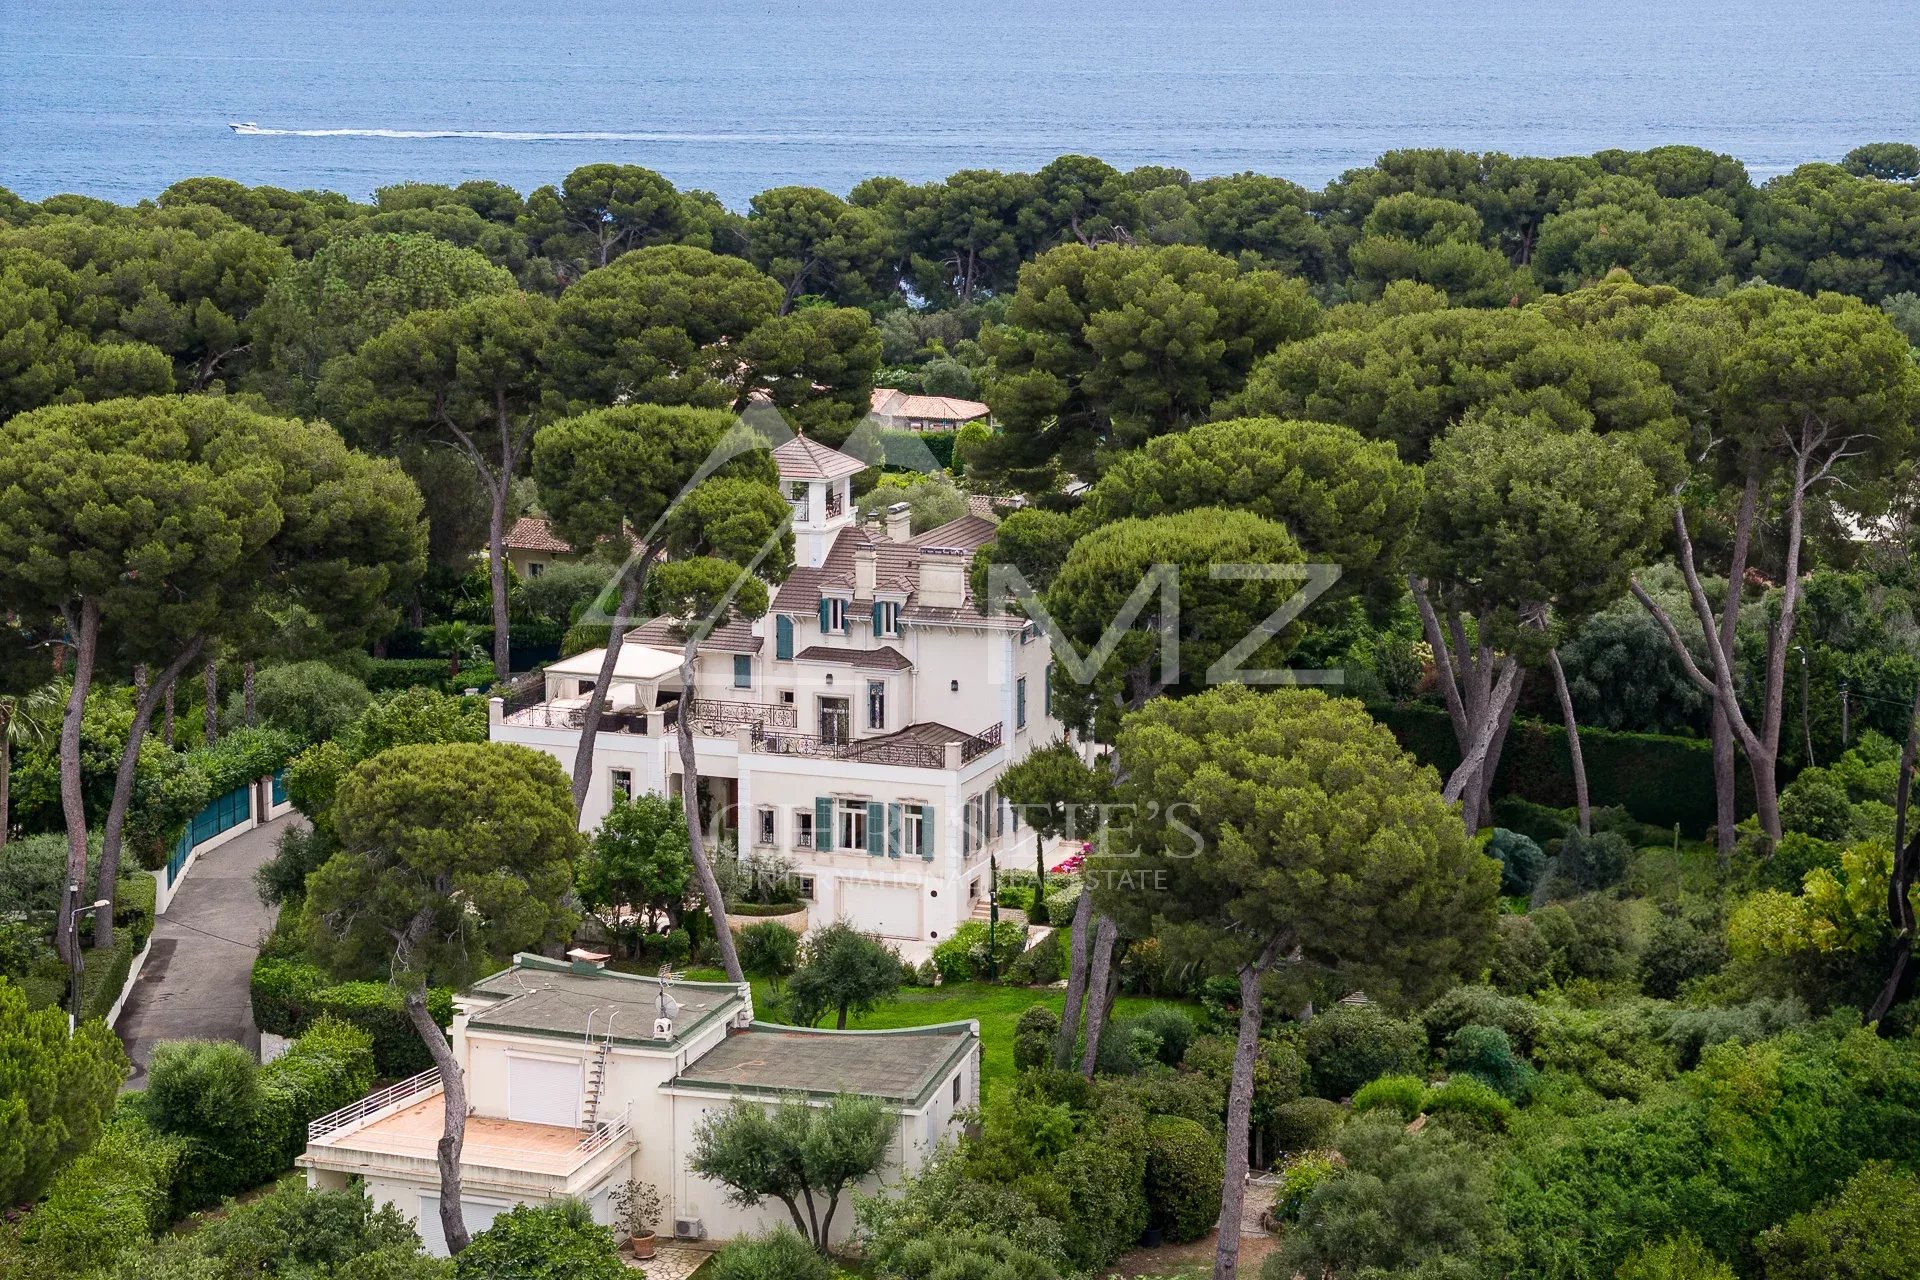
(119, 98)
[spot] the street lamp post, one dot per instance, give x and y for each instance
(73, 952)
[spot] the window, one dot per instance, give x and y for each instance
(876, 704)
(956, 1088)
(836, 721)
(1020, 703)
(913, 829)
(802, 829)
(622, 782)
(833, 615)
(797, 495)
(886, 617)
(742, 671)
(536, 568)
(764, 827)
(805, 884)
(853, 826)
(786, 697)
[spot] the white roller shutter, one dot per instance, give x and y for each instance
(542, 1091)
(478, 1214)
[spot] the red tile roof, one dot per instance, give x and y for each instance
(804, 459)
(532, 533)
(896, 572)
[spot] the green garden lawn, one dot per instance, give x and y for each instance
(997, 1008)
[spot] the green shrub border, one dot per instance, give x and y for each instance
(288, 996)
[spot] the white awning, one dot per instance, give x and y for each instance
(636, 662)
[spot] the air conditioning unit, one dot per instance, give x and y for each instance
(689, 1229)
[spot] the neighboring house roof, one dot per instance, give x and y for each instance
(732, 636)
(804, 459)
(544, 997)
(899, 1066)
(981, 504)
(896, 571)
(884, 658)
(534, 533)
(889, 402)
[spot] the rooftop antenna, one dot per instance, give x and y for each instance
(667, 1008)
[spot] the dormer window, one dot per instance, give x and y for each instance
(833, 615)
(886, 617)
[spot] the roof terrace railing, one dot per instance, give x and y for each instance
(393, 1095)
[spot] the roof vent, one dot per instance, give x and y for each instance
(585, 961)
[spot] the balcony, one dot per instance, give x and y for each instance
(398, 1130)
(719, 717)
(571, 713)
(918, 747)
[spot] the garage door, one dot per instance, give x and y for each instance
(479, 1215)
(891, 911)
(542, 1091)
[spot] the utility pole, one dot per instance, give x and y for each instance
(993, 917)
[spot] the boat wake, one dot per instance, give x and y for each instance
(509, 135)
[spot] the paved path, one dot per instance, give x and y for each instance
(194, 985)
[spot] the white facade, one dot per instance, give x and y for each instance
(858, 729)
(574, 1088)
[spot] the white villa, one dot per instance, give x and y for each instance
(858, 729)
(579, 1079)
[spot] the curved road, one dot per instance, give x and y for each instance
(194, 985)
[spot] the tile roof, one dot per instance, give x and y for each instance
(896, 571)
(532, 533)
(732, 636)
(804, 459)
(885, 658)
(891, 403)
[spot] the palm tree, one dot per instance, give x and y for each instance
(454, 639)
(25, 719)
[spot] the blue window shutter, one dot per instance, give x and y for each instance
(876, 828)
(826, 615)
(1020, 703)
(742, 671)
(823, 823)
(893, 831)
(783, 638)
(926, 832)
(876, 617)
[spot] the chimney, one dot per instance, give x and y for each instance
(943, 577)
(865, 571)
(899, 522)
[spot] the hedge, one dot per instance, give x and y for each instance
(329, 1066)
(102, 974)
(243, 756)
(289, 995)
(1660, 780)
(383, 675)
(902, 450)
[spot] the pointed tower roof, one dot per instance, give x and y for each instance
(804, 459)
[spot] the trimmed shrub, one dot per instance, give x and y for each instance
(779, 1254)
(1521, 861)
(555, 1241)
(1171, 1029)
(1041, 965)
(951, 1255)
(1185, 1171)
(203, 1090)
(311, 700)
(1597, 861)
(769, 949)
(1486, 1054)
(1349, 1045)
(1306, 1124)
(962, 957)
(289, 994)
(1398, 1093)
(1063, 901)
(1468, 1099)
(1033, 1038)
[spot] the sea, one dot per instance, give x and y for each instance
(119, 98)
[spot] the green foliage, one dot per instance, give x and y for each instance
(410, 716)
(1486, 1054)
(202, 1090)
(55, 1093)
(842, 971)
(1682, 945)
(1680, 1257)
(638, 862)
(1401, 1094)
(311, 700)
(780, 1253)
(288, 995)
(769, 950)
(389, 675)
(963, 955)
(1481, 1006)
(932, 500)
(292, 1232)
(803, 1156)
(1299, 1177)
(1868, 1230)
(1183, 1180)
(1816, 804)
(561, 592)
(1349, 1045)
(116, 1194)
(1469, 1099)
(1521, 862)
(1306, 1124)
(557, 1241)
(244, 755)
(958, 1254)
(1404, 1202)
(1042, 964)
(1033, 1038)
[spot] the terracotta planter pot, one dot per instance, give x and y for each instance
(642, 1246)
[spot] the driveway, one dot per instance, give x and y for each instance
(194, 985)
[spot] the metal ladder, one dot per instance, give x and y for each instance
(597, 1073)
